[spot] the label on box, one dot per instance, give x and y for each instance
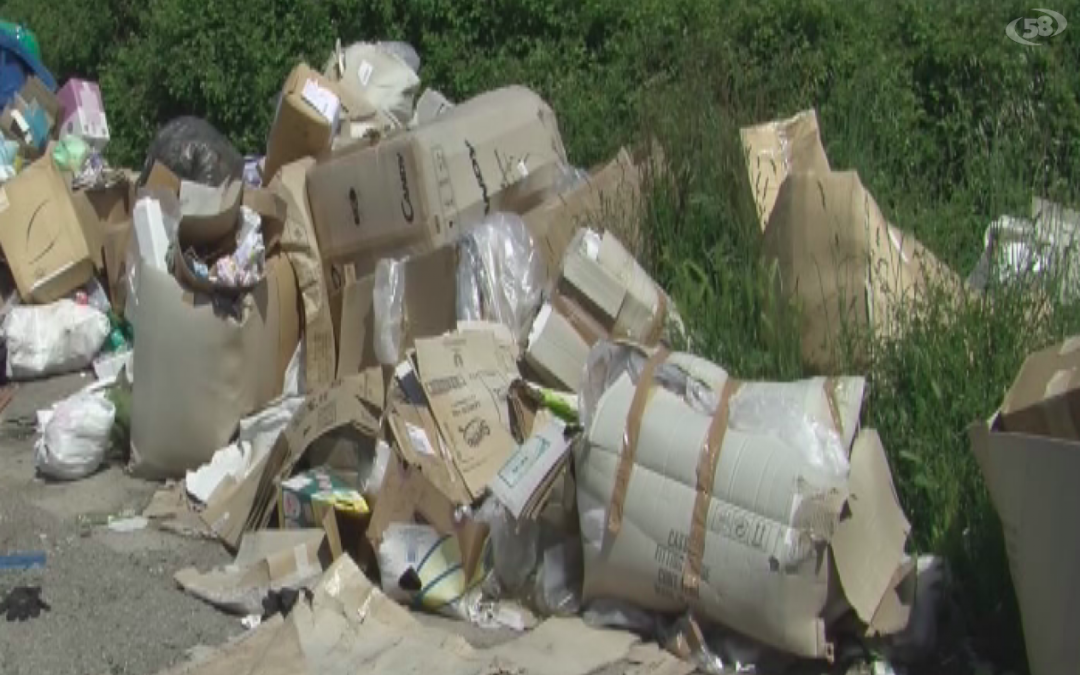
(364, 72)
(323, 100)
(418, 438)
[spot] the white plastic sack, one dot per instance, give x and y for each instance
(52, 339)
(74, 436)
(378, 75)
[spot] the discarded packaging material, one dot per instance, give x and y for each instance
(422, 568)
(377, 76)
(267, 561)
(847, 267)
(556, 350)
(42, 235)
(430, 105)
(52, 339)
(734, 437)
(607, 199)
(308, 497)
(778, 148)
(22, 561)
(307, 117)
(74, 436)
(300, 245)
(201, 370)
(83, 112)
(447, 177)
(1029, 474)
(531, 469)
(31, 116)
(360, 629)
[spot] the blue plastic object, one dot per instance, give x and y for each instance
(22, 561)
(16, 65)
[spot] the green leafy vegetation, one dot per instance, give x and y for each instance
(948, 123)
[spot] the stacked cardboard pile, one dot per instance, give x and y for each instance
(418, 340)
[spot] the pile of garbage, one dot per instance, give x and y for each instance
(408, 355)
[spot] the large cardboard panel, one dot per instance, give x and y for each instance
(300, 245)
(42, 234)
(204, 367)
(844, 264)
(1044, 400)
(1032, 482)
(422, 188)
(778, 148)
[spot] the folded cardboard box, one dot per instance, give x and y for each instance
(109, 210)
(43, 234)
(419, 190)
(847, 267)
(32, 116)
(307, 498)
(1030, 458)
(775, 149)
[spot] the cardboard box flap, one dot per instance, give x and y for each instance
(464, 377)
(775, 149)
(894, 612)
(209, 214)
(1044, 399)
(356, 335)
(868, 545)
(430, 294)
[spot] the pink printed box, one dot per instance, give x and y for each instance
(84, 113)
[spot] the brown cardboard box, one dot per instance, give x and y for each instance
(1032, 482)
(777, 148)
(34, 98)
(307, 116)
(204, 369)
(847, 267)
(42, 234)
(109, 209)
(607, 200)
(1045, 398)
(417, 191)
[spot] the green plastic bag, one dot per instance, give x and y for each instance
(70, 153)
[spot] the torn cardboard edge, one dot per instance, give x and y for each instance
(243, 506)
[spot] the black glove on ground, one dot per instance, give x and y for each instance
(23, 602)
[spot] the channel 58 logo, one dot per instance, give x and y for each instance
(1034, 31)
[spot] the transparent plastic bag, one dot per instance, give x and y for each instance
(558, 580)
(501, 275)
(515, 545)
(388, 300)
(610, 613)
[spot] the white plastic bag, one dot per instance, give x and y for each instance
(74, 436)
(52, 339)
(388, 299)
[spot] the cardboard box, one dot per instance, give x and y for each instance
(419, 190)
(728, 517)
(42, 234)
(847, 267)
(83, 113)
(355, 401)
(307, 117)
(307, 498)
(609, 199)
(778, 148)
(203, 369)
(110, 209)
(1032, 482)
(1044, 400)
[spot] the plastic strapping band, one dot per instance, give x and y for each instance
(831, 385)
(630, 440)
(706, 473)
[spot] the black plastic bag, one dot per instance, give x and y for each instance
(194, 150)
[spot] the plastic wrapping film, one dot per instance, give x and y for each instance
(388, 299)
(514, 544)
(381, 74)
(501, 274)
(753, 477)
